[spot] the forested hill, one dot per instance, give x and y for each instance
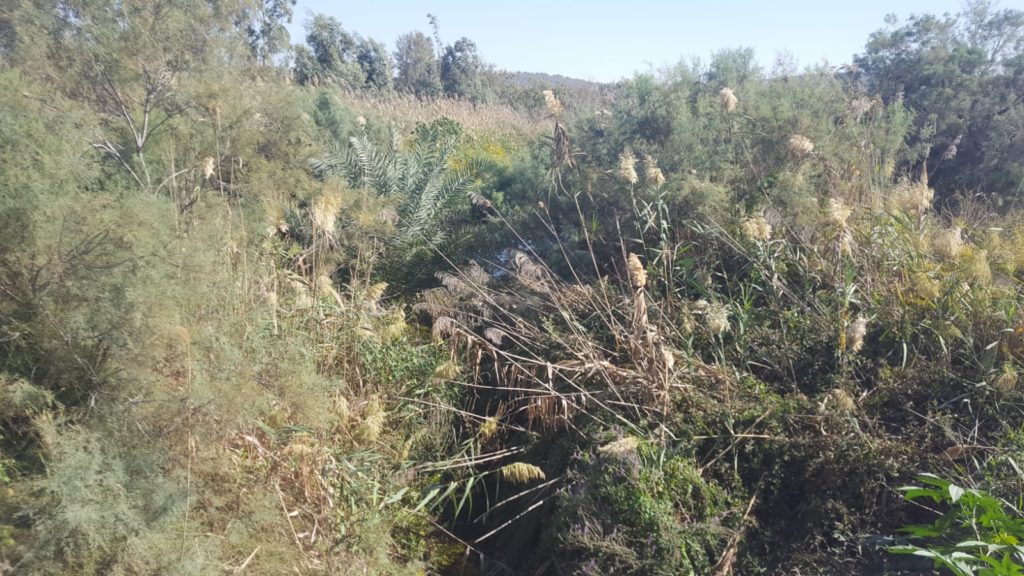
(548, 80)
(307, 306)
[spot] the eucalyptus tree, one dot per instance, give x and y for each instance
(416, 64)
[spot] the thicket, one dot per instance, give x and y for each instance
(701, 322)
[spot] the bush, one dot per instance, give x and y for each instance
(978, 534)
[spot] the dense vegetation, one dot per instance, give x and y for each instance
(319, 308)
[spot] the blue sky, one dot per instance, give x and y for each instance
(605, 40)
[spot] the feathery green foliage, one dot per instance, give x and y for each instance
(697, 322)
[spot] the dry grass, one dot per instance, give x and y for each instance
(477, 119)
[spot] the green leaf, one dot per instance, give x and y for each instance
(928, 492)
(921, 531)
(933, 480)
(972, 544)
(426, 499)
(394, 497)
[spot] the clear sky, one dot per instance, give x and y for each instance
(607, 40)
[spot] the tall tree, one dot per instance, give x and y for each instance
(461, 69)
(964, 76)
(266, 28)
(334, 53)
(143, 64)
(305, 67)
(732, 67)
(375, 62)
(417, 65)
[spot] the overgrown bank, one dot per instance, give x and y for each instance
(701, 323)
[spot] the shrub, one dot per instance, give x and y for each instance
(978, 534)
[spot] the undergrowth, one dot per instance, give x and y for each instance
(706, 323)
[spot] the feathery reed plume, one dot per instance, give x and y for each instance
(528, 272)
(978, 267)
(476, 274)
(276, 223)
(373, 418)
(480, 202)
(800, 146)
(668, 359)
(838, 401)
(554, 106)
(495, 335)
(913, 197)
(325, 211)
(627, 167)
(446, 371)
(395, 326)
(838, 212)
(861, 106)
(638, 279)
(727, 99)
(716, 318)
(209, 167)
(925, 287)
(488, 428)
(855, 334)
(444, 327)
(1007, 379)
(456, 285)
(948, 243)
(652, 174)
(637, 274)
(622, 449)
(302, 298)
(756, 228)
(325, 285)
(561, 148)
(952, 149)
(520, 473)
(361, 121)
(374, 292)
(340, 409)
